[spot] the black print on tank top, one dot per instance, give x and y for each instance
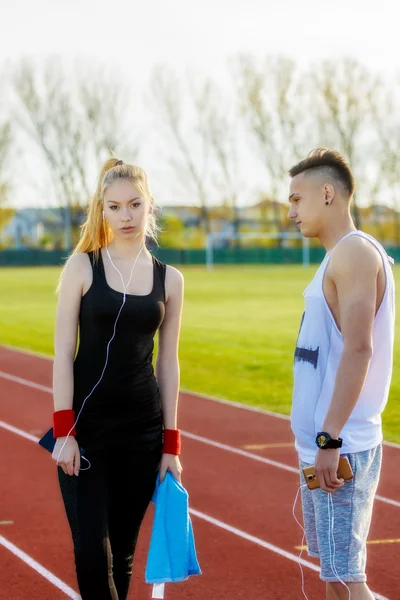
(306, 354)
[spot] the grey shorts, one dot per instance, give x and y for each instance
(344, 550)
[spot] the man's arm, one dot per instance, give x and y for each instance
(354, 269)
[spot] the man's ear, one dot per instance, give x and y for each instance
(329, 192)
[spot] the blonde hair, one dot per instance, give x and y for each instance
(95, 231)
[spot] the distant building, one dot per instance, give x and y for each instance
(29, 225)
(189, 215)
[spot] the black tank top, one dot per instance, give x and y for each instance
(125, 406)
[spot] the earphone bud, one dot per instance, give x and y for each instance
(108, 346)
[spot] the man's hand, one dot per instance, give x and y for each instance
(326, 468)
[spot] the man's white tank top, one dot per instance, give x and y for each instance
(318, 352)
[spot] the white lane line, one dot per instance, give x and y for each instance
(254, 540)
(263, 544)
(68, 591)
(20, 432)
(212, 520)
(388, 500)
(22, 381)
(248, 407)
(240, 405)
(198, 438)
(262, 459)
(218, 445)
(27, 352)
(239, 451)
(256, 409)
(391, 444)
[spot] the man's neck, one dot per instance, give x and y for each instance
(335, 231)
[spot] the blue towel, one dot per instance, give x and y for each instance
(172, 553)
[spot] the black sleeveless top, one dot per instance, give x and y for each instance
(125, 408)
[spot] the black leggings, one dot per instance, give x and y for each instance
(105, 507)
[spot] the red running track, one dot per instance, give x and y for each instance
(241, 500)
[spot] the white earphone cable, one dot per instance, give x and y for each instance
(302, 541)
(332, 536)
(107, 350)
(331, 541)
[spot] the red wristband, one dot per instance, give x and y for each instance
(172, 442)
(63, 423)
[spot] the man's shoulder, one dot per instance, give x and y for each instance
(354, 253)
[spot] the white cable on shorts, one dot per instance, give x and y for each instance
(331, 532)
(107, 351)
(302, 541)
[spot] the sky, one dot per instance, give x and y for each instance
(197, 36)
(139, 34)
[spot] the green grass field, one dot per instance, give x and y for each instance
(240, 326)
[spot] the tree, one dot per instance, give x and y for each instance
(76, 121)
(271, 101)
(6, 144)
(190, 153)
(5, 147)
(343, 95)
(384, 106)
(222, 132)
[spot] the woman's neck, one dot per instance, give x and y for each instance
(127, 248)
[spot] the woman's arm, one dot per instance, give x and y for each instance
(66, 331)
(65, 341)
(167, 364)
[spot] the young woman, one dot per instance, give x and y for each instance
(109, 406)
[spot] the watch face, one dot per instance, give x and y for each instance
(322, 440)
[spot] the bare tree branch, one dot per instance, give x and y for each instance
(270, 97)
(76, 125)
(385, 114)
(221, 128)
(191, 145)
(344, 93)
(6, 143)
(5, 146)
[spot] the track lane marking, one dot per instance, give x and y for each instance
(241, 405)
(216, 522)
(204, 440)
(264, 460)
(33, 564)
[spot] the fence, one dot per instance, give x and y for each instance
(40, 258)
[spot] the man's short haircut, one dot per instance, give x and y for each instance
(330, 164)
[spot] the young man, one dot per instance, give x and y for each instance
(342, 371)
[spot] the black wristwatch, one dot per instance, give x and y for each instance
(324, 441)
